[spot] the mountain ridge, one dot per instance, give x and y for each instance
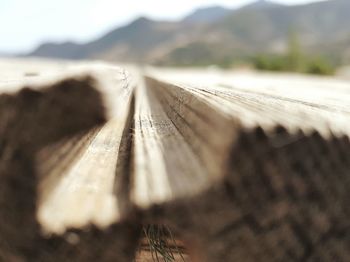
(262, 26)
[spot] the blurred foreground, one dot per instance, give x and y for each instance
(238, 165)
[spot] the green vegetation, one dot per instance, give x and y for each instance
(309, 65)
(294, 61)
(201, 54)
(320, 66)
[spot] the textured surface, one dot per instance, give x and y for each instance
(242, 166)
(283, 191)
(86, 171)
(38, 153)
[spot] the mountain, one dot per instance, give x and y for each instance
(68, 50)
(216, 34)
(207, 14)
(262, 4)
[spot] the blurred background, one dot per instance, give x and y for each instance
(285, 35)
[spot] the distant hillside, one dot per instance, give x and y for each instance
(216, 34)
(67, 50)
(261, 4)
(207, 14)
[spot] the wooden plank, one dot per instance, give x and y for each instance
(166, 162)
(29, 122)
(38, 155)
(282, 193)
(242, 168)
(88, 177)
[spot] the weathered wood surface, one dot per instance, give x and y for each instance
(47, 177)
(167, 164)
(265, 99)
(89, 176)
(246, 167)
(284, 190)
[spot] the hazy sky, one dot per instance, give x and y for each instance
(26, 23)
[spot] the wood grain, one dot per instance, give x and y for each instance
(282, 192)
(45, 139)
(242, 166)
